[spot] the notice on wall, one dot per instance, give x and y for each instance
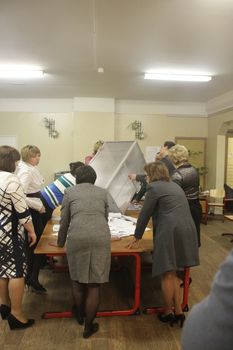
(9, 140)
(151, 153)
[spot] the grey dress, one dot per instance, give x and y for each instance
(210, 323)
(175, 238)
(84, 223)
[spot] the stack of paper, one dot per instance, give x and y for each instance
(121, 226)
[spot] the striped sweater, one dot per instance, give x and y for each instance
(54, 192)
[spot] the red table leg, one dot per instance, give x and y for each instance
(184, 305)
(136, 306)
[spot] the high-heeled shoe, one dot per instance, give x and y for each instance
(93, 329)
(77, 315)
(5, 311)
(35, 286)
(14, 323)
(182, 284)
(169, 318)
(179, 319)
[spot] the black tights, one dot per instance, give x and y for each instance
(35, 262)
(86, 298)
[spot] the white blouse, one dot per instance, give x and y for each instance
(32, 182)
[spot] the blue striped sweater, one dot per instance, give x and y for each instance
(53, 193)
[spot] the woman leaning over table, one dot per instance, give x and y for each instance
(174, 236)
(32, 182)
(84, 224)
(14, 217)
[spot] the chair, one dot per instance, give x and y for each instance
(216, 200)
(228, 200)
(229, 217)
(203, 199)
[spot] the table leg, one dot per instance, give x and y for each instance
(184, 304)
(136, 306)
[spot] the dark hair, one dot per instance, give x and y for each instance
(169, 144)
(85, 173)
(157, 171)
(8, 156)
(75, 165)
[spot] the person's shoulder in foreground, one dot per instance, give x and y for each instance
(210, 323)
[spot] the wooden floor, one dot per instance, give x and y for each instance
(116, 333)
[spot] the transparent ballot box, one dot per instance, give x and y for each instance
(113, 162)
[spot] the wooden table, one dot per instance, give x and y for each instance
(47, 245)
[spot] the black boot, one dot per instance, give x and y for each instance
(93, 329)
(5, 311)
(169, 318)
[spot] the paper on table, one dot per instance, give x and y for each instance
(56, 228)
(134, 206)
(119, 225)
(56, 218)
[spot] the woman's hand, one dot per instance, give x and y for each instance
(132, 177)
(134, 201)
(31, 238)
(42, 210)
(133, 244)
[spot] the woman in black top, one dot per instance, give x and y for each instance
(186, 176)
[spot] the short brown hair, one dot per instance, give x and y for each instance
(85, 174)
(157, 171)
(8, 156)
(28, 152)
(75, 165)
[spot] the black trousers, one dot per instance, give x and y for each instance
(196, 212)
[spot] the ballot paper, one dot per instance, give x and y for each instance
(56, 228)
(119, 225)
(134, 206)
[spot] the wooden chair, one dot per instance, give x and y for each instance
(203, 199)
(229, 217)
(216, 200)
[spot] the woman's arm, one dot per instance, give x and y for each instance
(31, 233)
(112, 206)
(20, 206)
(65, 221)
(145, 213)
(144, 217)
(25, 177)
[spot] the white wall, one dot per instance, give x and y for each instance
(85, 120)
(29, 129)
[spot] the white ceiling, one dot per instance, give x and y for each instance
(70, 39)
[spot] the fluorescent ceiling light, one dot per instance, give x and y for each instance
(177, 77)
(23, 73)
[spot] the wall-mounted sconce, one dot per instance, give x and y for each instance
(137, 127)
(49, 123)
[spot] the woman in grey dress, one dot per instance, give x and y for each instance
(84, 228)
(175, 238)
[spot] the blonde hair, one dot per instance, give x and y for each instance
(157, 171)
(97, 145)
(28, 152)
(178, 154)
